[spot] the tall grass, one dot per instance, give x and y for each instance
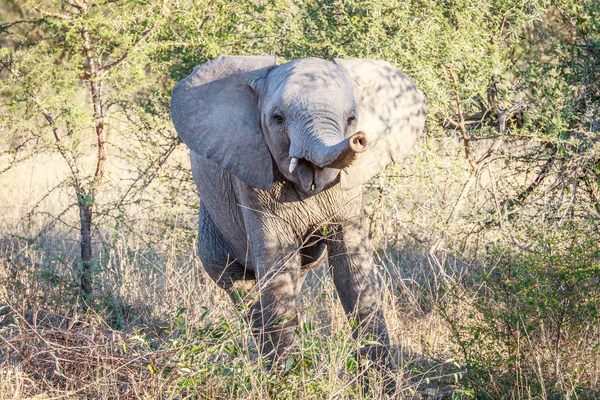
(157, 327)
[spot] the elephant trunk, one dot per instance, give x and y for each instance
(342, 154)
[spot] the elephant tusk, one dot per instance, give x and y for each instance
(293, 164)
(346, 170)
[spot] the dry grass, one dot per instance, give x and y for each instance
(159, 328)
(69, 354)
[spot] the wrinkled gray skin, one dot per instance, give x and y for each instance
(261, 227)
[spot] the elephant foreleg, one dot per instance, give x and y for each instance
(275, 313)
(358, 287)
(273, 299)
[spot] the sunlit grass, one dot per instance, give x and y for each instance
(158, 327)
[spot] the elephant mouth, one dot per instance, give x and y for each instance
(311, 178)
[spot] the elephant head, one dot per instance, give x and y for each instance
(309, 118)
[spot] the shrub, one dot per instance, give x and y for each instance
(531, 317)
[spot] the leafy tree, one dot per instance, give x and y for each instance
(90, 81)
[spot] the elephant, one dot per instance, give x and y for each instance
(279, 154)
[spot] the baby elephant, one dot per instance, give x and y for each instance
(279, 154)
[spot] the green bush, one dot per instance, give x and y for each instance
(531, 325)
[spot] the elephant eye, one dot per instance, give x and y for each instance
(350, 120)
(278, 118)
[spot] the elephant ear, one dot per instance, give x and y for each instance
(215, 112)
(391, 111)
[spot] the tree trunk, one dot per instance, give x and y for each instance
(87, 202)
(85, 272)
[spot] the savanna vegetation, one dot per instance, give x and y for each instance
(487, 236)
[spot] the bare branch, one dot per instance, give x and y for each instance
(461, 123)
(71, 163)
(538, 179)
(147, 176)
